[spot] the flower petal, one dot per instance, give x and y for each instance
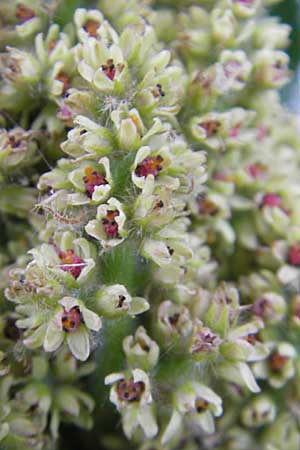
(54, 336)
(79, 343)
(91, 319)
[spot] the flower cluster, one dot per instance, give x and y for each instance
(147, 168)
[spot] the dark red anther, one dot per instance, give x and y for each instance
(91, 180)
(110, 226)
(65, 79)
(149, 166)
(109, 69)
(71, 319)
(272, 200)
(71, 263)
(201, 405)
(130, 391)
(294, 255)
(277, 362)
(210, 126)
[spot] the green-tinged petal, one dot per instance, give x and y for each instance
(206, 421)
(147, 421)
(130, 420)
(91, 319)
(173, 427)
(79, 343)
(54, 335)
(138, 306)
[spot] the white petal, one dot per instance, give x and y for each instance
(130, 420)
(113, 378)
(138, 306)
(147, 421)
(79, 343)
(173, 427)
(91, 319)
(36, 338)
(68, 302)
(54, 336)
(206, 421)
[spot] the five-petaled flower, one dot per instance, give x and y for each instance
(131, 393)
(72, 323)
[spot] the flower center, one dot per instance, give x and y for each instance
(144, 345)
(130, 391)
(201, 405)
(206, 206)
(121, 300)
(173, 320)
(91, 27)
(24, 13)
(71, 319)
(294, 255)
(91, 180)
(255, 170)
(110, 226)
(158, 91)
(109, 69)
(277, 362)
(252, 338)
(203, 341)
(71, 263)
(262, 308)
(210, 126)
(149, 166)
(64, 78)
(232, 69)
(272, 200)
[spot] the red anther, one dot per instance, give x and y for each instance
(149, 166)
(71, 319)
(91, 180)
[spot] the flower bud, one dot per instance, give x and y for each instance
(140, 350)
(115, 301)
(260, 411)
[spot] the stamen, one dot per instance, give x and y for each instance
(92, 179)
(149, 166)
(130, 391)
(71, 319)
(110, 226)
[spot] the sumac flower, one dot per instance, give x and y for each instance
(131, 394)
(72, 322)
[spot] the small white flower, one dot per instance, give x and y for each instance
(72, 323)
